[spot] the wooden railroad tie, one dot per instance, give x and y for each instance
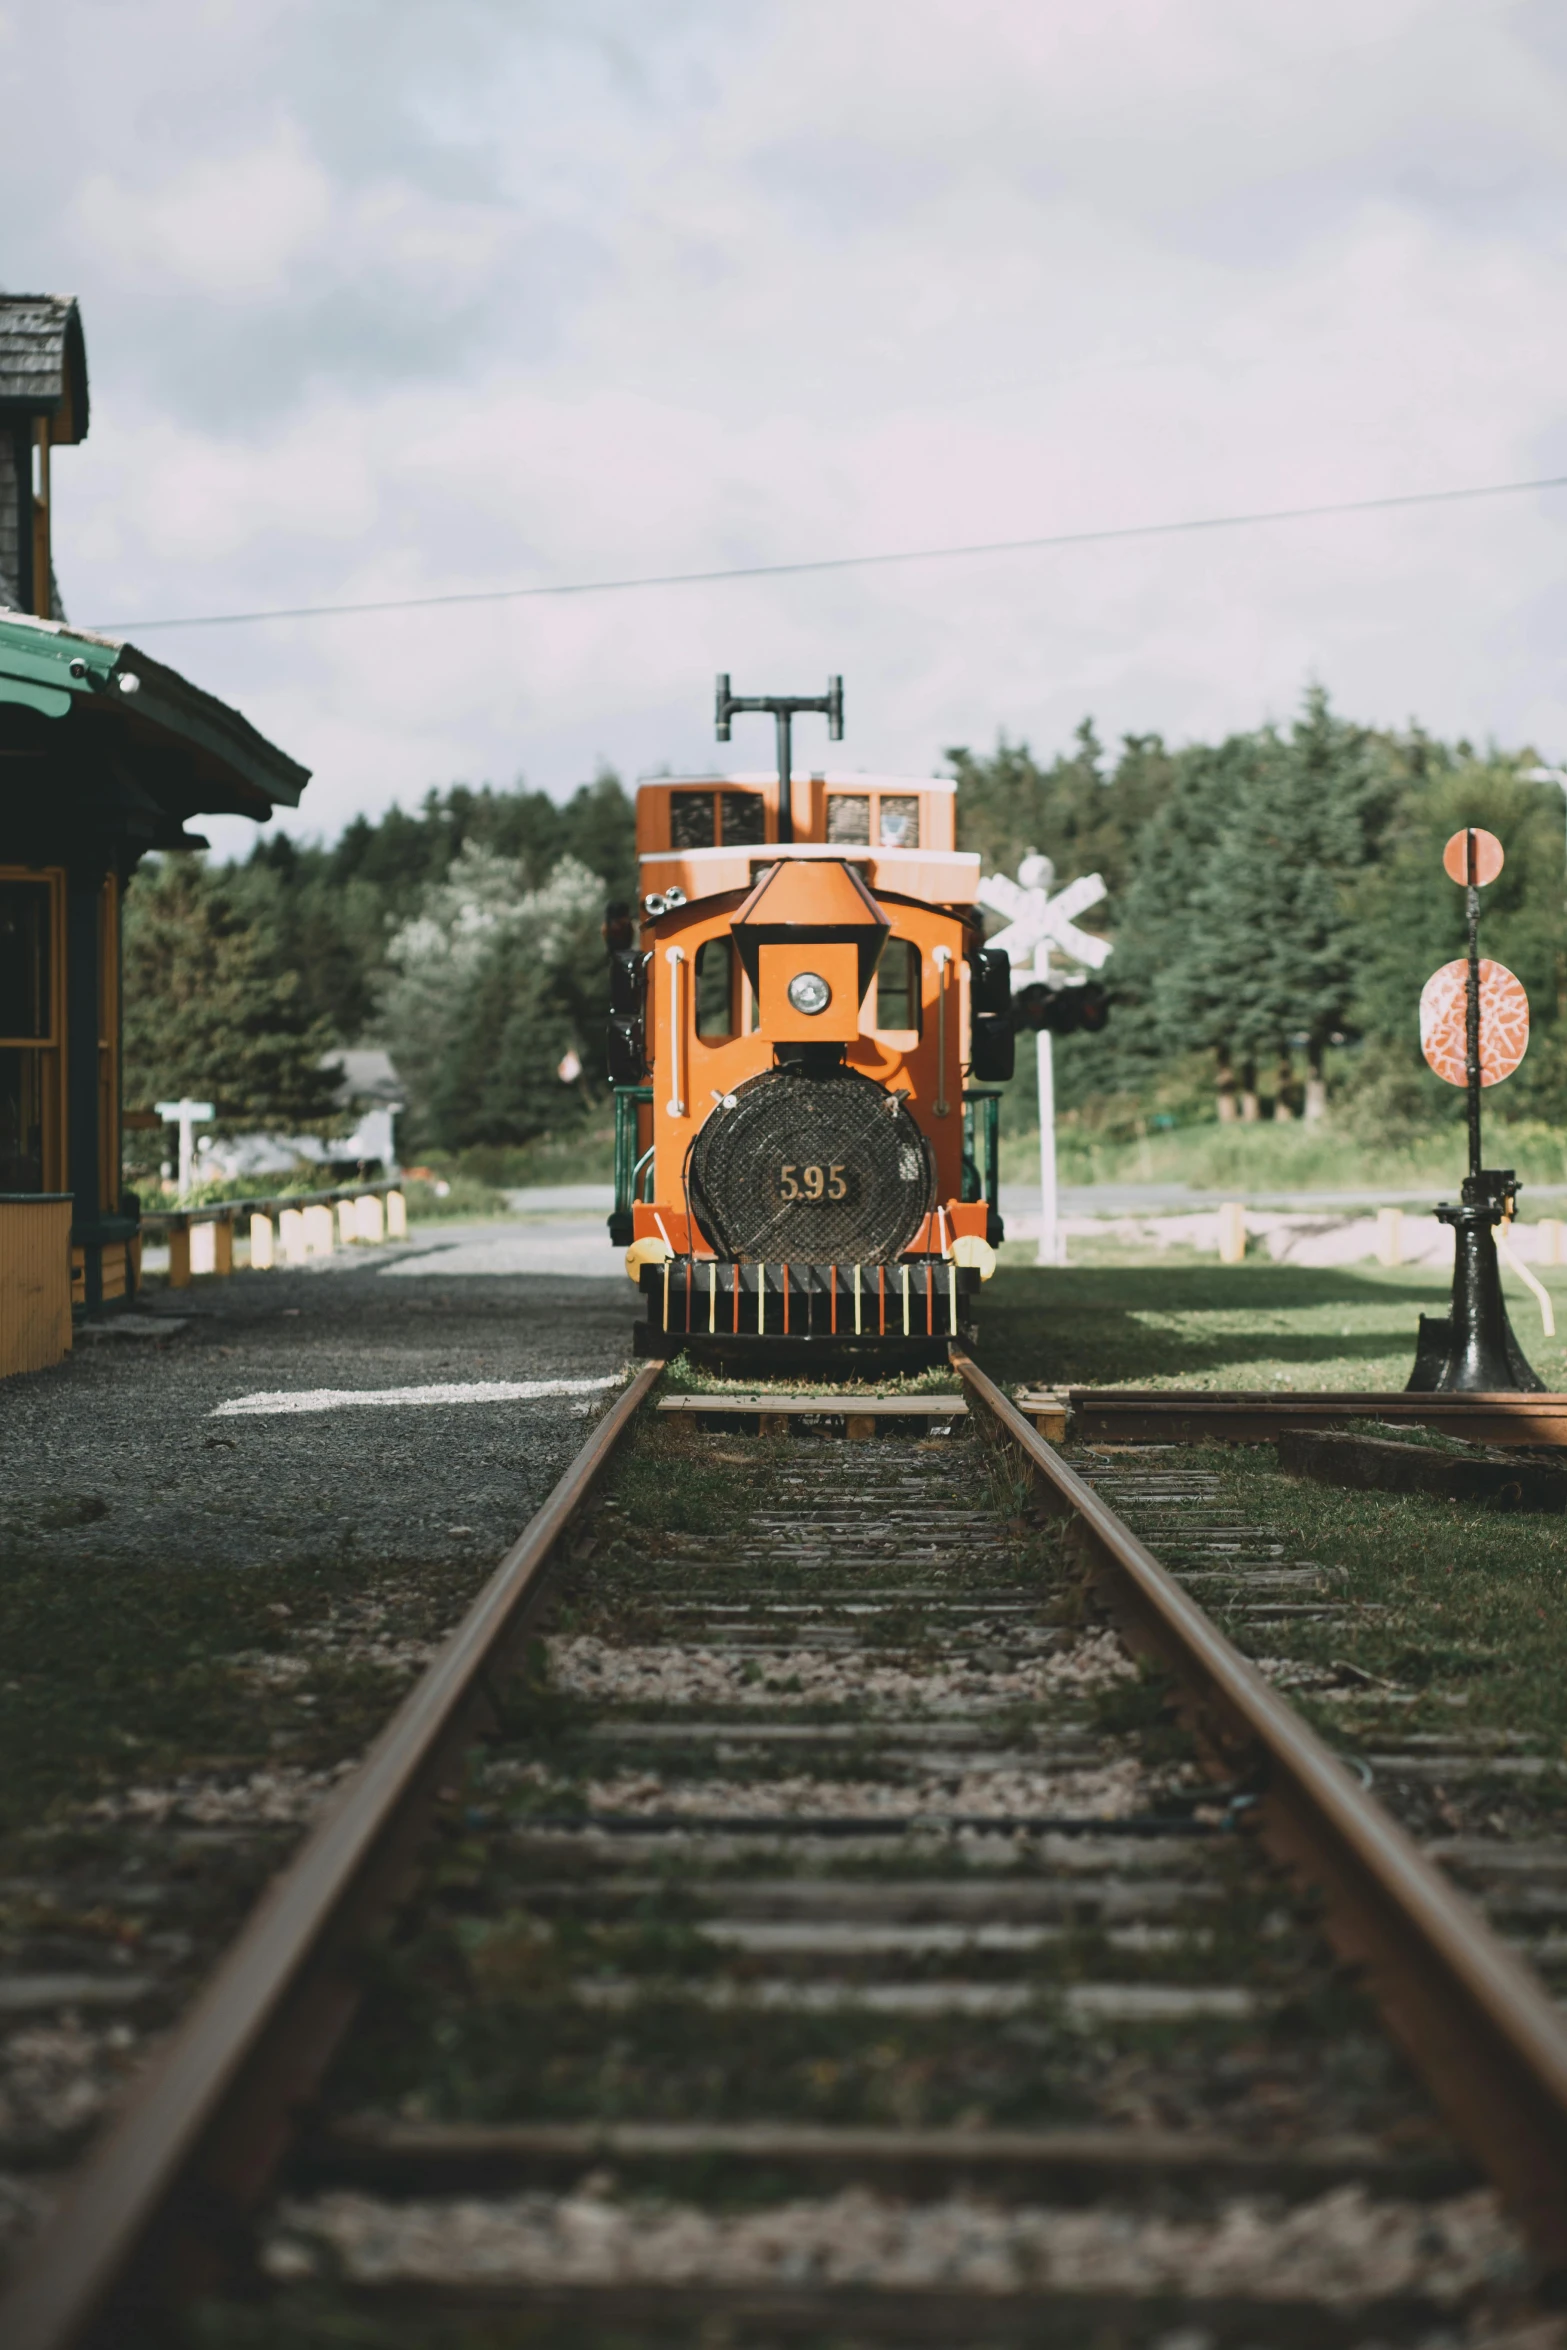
(858, 1413)
(1173, 1415)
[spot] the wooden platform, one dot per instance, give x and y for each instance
(1173, 1415)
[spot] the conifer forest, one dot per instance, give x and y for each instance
(1276, 901)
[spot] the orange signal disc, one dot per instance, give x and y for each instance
(1504, 1021)
(1488, 857)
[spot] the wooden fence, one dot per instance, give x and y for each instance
(285, 1228)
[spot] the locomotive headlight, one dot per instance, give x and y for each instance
(809, 992)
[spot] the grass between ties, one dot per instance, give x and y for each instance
(1456, 1612)
(116, 1677)
(474, 2013)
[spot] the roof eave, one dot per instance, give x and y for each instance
(65, 673)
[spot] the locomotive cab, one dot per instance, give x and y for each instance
(805, 1163)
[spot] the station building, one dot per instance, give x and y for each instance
(105, 754)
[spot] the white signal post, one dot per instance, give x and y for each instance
(189, 1114)
(1037, 926)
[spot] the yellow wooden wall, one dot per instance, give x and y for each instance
(35, 1283)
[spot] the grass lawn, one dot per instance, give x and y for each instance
(1449, 1605)
(1179, 1320)
(1456, 1611)
(1290, 1156)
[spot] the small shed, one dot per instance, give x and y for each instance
(104, 754)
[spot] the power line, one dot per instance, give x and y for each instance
(668, 579)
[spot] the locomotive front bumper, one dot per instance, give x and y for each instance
(847, 1321)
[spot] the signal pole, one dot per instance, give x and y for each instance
(1050, 1251)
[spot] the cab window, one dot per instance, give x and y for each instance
(745, 819)
(900, 821)
(715, 989)
(849, 818)
(898, 985)
(691, 820)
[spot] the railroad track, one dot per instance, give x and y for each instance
(828, 1935)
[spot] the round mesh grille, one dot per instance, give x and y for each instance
(811, 1169)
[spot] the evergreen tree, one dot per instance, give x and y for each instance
(1241, 936)
(1409, 919)
(1167, 1001)
(210, 1009)
(1085, 819)
(488, 985)
(334, 910)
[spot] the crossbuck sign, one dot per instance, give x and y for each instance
(1036, 921)
(1039, 925)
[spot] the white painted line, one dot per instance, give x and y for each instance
(342, 1399)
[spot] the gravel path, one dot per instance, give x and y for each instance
(118, 1449)
(205, 1615)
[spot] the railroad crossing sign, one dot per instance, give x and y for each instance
(1037, 920)
(1039, 925)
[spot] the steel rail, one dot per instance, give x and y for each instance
(1479, 2027)
(163, 2192)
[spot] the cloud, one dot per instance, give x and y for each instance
(228, 228)
(381, 300)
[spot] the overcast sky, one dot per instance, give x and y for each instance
(401, 297)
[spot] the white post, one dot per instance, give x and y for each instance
(188, 1113)
(1049, 1222)
(1037, 922)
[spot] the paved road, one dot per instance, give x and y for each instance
(1131, 1199)
(576, 1245)
(578, 1210)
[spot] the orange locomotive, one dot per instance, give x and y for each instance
(800, 1045)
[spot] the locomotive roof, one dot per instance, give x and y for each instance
(835, 780)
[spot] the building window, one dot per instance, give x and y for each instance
(31, 1154)
(26, 960)
(745, 819)
(110, 1181)
(22, 1120)
(898, 986)
(714, 989)
(849, 818)
(900, 821)
(692, 823)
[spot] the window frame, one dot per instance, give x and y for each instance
(711, 1038)
(915, 965)
(49, 1048)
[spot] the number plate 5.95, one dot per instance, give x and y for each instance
(813, 1182)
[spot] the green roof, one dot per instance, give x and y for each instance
(216, 761)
